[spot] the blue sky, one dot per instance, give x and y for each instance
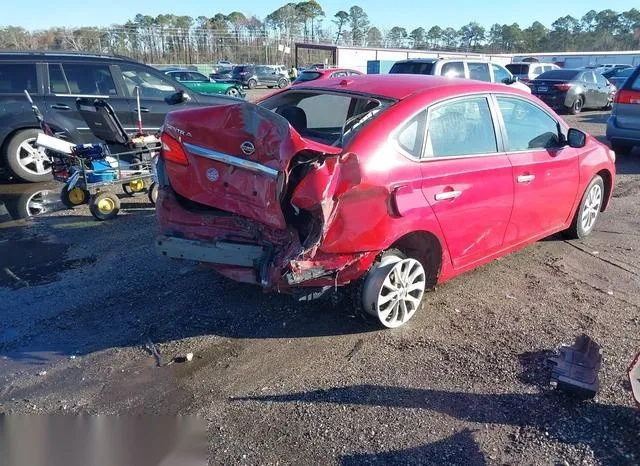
(384, 14)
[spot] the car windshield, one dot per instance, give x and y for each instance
(308, 76)
(518, 68)
(563, 75)
(239, 69)
(412, 67)
(330, 118)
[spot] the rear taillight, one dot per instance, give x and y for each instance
(172, 150)
(563, 87)
(242, 73)
(627, 97)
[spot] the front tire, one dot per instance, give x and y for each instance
(282, 83)
(585, 217)
(233, 92)
(24, 160)
(252, 84)
(74, 197)
(577, 105)
(393, 289)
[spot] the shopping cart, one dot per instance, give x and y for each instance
(86, 169)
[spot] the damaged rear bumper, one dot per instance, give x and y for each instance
(250, 252)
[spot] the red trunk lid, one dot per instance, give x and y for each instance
(238, 157)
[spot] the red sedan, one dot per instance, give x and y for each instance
(317, 74)
(388, 184)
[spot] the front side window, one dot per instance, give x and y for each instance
(527, 126)
(500, 75)
(15, 78)
(411, 136)
(453, 70)
(81, 79)
(151, 85)
(461, 127)
(193, 76)
(479, 71)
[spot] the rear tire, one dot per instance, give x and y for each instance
(282, 83)
(393, 288)
(24, 161)
(577, 106)
(621, 149)
(587, 212)
(233, 92)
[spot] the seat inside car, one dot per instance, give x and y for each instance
(296, 117)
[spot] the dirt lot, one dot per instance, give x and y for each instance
(285, 383)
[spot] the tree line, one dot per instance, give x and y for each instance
(241, 39)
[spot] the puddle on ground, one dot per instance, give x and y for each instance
(34, 261)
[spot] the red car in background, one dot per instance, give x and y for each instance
(317, 74)
(388, 184)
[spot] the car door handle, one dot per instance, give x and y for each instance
(447, 195)
(144, 110)
(60, 107)
(526, 178)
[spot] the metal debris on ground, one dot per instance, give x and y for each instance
(189, 356)
(575, 369)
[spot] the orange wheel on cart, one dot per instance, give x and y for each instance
(104, 206)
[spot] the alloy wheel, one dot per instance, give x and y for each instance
(591, 207)
(33, 159)
(394, 291)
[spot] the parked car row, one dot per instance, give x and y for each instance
(200, 83)
(56, 80)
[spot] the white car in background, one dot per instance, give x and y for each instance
(479, 70)
(526, 72)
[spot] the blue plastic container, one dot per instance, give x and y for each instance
(107, 175)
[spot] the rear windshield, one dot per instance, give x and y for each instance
(559, 74)
(518, 68)
(411, 67)
(624, 73)
(240, 69)
(308, 76)
(330, 118)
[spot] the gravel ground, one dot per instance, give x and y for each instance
(281, 383)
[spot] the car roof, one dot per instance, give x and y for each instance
(398, 86)
(27, 55)
(419, 60)
(330, 70)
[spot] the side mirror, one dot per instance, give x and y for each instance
(511, 80)
(178, 98)
(576, 138)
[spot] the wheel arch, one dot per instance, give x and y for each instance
(7, 139)
(607, 179)
(427, 248)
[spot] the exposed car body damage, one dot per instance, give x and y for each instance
(307, 178)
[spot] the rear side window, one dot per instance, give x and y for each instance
(479, 71)
(411, 137)
(635, 85)
(453, 70)
(151, 85)
(589, 77)
(601, 80)
(81, 79)
(409, 67)
(15, 78)
(461, 127)
(308, 76)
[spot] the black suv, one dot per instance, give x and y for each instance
(253, 76)
(56, 79)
